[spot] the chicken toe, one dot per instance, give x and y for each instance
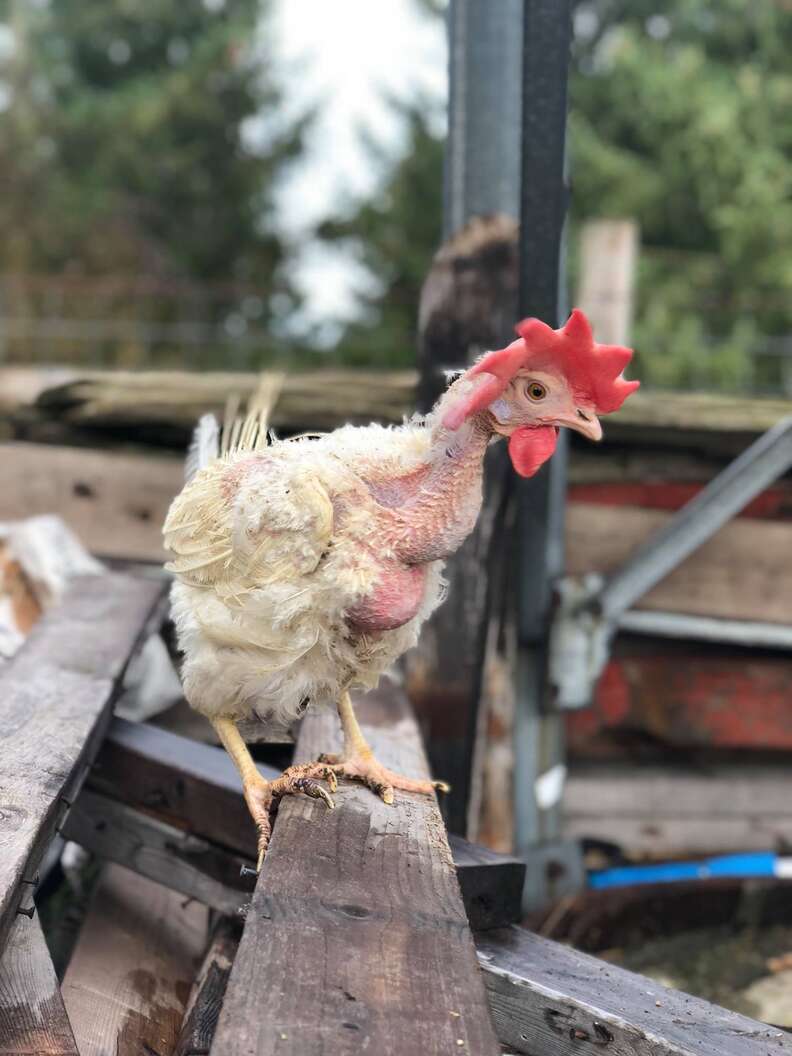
(363, 767)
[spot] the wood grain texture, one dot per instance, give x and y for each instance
(196, 788)
(180, 860)
(660, 812)
(33, 1019)
(55, 696)
(191, 785)
(549, 1000)
(206, 999)
(115, 503)
(742, 572)
(356, 936)
(129, 979)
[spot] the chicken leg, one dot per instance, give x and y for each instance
(357, 761)
(262, 796)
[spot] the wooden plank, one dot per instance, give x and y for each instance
(356, 933)
(32, 1015)
(183, 782)
(742, 572)
(179, 860)
(206, 999)
(655, 695)
(550, 999)
(115, 503)
(608, 259)
(55, 696)
(196, 787)
(491, 884)
(171, 401)
(661, 812)
(127, 984)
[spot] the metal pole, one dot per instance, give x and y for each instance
(482, 170)
(539, 746)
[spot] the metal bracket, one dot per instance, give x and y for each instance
(591, 609)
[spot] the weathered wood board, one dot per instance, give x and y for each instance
(115, 503)
(33, 1019)
(356, 932)
(743, 572)
(659, 695)
(180, 860)
(206, 999)
(550, 1000)
(129, 979)
(196, 787)
(661, 812)
(55, 696)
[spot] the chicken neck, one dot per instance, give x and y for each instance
(430, 512)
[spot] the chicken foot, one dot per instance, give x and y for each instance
(357, 761)
(262, 796)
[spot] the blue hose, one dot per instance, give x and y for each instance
(733, 866)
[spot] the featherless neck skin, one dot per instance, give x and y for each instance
(432, 511)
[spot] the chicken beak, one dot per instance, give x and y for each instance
(584, 422)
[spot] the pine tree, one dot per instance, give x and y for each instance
(124, 149)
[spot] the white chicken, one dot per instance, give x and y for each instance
(307, 566)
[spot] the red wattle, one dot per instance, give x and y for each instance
(530, 447)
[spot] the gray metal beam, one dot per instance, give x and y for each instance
(482, 173)
(746, 477)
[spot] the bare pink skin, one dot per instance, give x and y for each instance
(423, 516)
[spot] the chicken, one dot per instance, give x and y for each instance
(305, 567)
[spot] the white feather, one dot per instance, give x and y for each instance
(204, 446)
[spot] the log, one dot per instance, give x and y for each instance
(742, 572)
(127, 984)
(195, 787)
(549, 999)
(55, 700)
(33, 1018)
(114, 503)
(356, 933)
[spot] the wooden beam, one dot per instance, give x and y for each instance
(185, 783)
(661, 812)
(661, 695)
(206, 999)
(33, 1018)
(195, 787)
(491, 884)
(758, 585)
(356, 938)
(550, 999)
(177, 859)
(55, 699)
(115, 503)
(129, 978)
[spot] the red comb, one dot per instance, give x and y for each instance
(594, 372)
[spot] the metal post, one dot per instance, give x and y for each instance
(539, 748)
(482, 171)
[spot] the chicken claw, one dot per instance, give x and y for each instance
(263, 797)
(363, 767)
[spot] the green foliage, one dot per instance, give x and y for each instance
(394, 236)
(679, 118)
(124, 150)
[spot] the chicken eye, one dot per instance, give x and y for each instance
(535, 391)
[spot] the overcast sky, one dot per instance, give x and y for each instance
(347, 56)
